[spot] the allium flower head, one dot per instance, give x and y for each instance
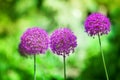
(34, 41)
(63, 41)
(97, 23)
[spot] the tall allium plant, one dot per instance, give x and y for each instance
(62, 42)
(98, 24)
(34, 41)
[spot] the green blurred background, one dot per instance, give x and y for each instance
(84, 64)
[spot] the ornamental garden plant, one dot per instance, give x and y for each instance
(62, 43)
(98, 24)
(34, 41)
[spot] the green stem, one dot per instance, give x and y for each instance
(34, 67)
(64, 67)
(103, 59)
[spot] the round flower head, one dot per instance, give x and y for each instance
(62, 41)
(34, 41)
(97, 23)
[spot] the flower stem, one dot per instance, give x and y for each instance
(64, 67)
(103, 59)
(34, 67)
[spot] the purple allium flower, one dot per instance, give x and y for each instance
(62, 41)
(97, 23)
(34, 41)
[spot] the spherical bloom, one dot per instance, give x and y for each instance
(34, 41)
(97, 23)
(62, 41)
